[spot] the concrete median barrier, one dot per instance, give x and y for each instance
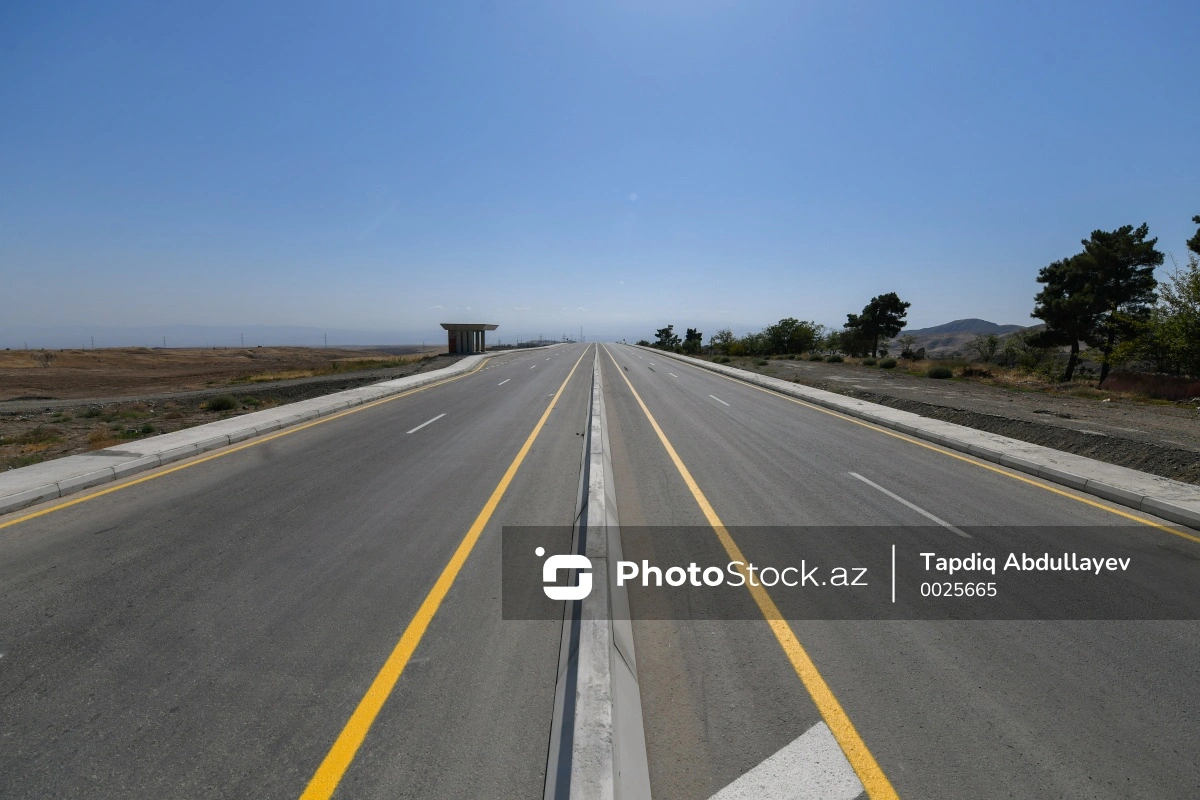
(597, 741)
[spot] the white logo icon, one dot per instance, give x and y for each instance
(550, 575)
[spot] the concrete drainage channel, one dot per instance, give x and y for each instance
(597, 741)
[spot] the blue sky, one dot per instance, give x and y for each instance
(614, 165)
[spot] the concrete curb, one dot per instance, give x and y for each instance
(1169, 499)
(597, 740)
(20, 488)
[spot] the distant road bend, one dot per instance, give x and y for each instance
(317, 615)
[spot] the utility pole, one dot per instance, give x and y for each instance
(242, 337)
(327, 340)
(93, 338)
(164, 343)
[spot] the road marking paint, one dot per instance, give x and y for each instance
(235, 449)
(506, 380)
(958, 456)
(913, 506)
(652, 363)
(719, 400)
(672, 374)
(865, 766)
(423, 424)
(534, 366)
(810, 766)
(325, 781)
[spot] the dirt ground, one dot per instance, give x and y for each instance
(89, 399)
(135, 372)
(1159, 437)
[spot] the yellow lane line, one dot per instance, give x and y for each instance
(330, 773)
(857, 753)
(959, 456)
(228, 450)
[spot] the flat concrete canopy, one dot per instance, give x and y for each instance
(467, 337)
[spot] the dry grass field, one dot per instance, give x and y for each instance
(81, 400)
(139, 371)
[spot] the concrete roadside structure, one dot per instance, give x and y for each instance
(467, 337)
(1171, 500)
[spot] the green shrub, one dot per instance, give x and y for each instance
(834, 359)
(816, 357)
(791, 356)
(92, 412)
(760, 362)
(869, 362)
(888, 363)
(222, 403)
(940, 373)
(39, 435)
(16, 462)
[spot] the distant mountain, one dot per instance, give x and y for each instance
(971, 326)
(954, 336)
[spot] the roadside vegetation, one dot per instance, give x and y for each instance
(230, 384)
(1102, 310)
(332, 368)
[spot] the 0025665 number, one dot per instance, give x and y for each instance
(958, 589)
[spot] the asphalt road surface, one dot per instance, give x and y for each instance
(319, 613)
(947, 709)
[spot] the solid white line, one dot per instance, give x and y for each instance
(423, 424)
(719, 400)
(506, 380)
(913, 506)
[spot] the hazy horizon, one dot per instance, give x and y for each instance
(544, 166)
(99, 336)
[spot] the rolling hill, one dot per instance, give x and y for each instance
(955, 335)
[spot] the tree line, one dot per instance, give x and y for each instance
(1105, 298)
(865, 333)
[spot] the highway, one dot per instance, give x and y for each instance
(981, 709)
(317, 614)
(210, 632)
